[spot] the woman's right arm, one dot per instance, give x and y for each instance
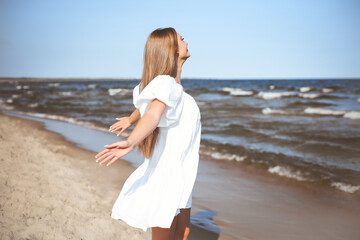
(147, 123)
(145, 126)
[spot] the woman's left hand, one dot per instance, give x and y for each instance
(113, 152)
(122, 123)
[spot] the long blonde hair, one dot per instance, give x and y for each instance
(160, 58)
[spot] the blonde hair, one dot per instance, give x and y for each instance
(160, 58)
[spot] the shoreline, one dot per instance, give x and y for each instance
(243, 199)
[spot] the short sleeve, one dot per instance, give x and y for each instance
(165, 89)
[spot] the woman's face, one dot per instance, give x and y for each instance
(182, 45)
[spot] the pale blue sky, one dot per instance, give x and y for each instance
(227, 39)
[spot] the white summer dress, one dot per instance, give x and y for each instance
(163, 183)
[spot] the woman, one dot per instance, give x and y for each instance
(158, 194)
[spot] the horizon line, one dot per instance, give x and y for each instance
(185, 78)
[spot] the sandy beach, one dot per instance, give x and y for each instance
(52, 189)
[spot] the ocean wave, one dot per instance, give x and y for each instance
(212, 153)
(306, 89)
(15, 96)
(91, 86)
(345, 187)
(270, 111)
(272, 87)
(238, 91)
(119, 91)
(65, 93)
(33, 105)
(276, 95)
(53, 84)
(327, 90)
(279, 95)
(287, 172)
(354, 115)
(323, 111)
(309, 95)
(227, 156)
(4, 106)
(19, 87)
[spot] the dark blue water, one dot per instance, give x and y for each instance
(308, 130)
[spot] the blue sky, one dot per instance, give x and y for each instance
(227, 39)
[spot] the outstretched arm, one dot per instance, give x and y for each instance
(145, 126)
(125, 122)
(147, 123)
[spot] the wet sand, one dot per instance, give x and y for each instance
(254, 205)
(52, 189)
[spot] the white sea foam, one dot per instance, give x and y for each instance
(272, 87)
(269, 111)
(29, 92)
(345, 187)
(33, 105)
(92, 86)
(323, 111)
(119, 91)
(354, 115)
(228, 156)
(65, 93)
(15, 96)
(238, 91)
(286, 172)
(9, 100)
(278, 95)
(22, 87)
(309, 95)
(275, 95)
(4, 106)
(305, 89)
(64, 119)
(53, 84)
(327, 90)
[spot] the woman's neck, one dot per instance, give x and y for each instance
(178, 72)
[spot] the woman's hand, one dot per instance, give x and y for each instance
(114, 151)
(123, 123)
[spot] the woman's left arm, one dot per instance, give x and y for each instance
(125, 122)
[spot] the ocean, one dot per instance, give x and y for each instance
(306, 130)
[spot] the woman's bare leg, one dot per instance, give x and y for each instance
(183, 224)
(159, 233)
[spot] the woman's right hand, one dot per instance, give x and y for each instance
(114, 151)
(122, 123)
